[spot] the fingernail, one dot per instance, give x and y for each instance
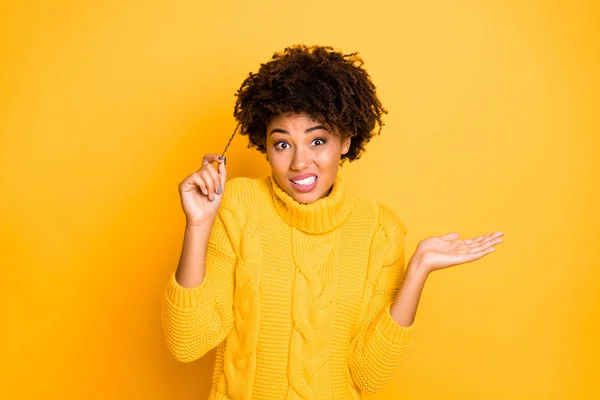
(220, 158)
(212, 197)
(219, 190)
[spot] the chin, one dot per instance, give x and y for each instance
(308, 197)
(305, 198)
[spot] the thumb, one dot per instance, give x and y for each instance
(223, 172)
(450, 236)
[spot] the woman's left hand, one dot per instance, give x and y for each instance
(439, 252)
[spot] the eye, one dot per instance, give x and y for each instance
(278, 147)
(323, 141)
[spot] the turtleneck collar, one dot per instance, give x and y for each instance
(320, 216)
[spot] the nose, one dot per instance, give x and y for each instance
(301, 160)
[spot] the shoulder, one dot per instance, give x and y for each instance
(239, 187)
(243, 192)
(389, 219)
(393, 232)
(238, 199)
(382, 215)
(385, 225)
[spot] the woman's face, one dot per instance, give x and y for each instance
(304, 156)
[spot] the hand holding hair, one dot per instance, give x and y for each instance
(201, 192)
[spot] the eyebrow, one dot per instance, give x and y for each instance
(314, 128)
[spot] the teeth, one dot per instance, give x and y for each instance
(307, 181)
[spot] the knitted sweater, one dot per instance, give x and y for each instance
(296, 297)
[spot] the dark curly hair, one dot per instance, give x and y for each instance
(330, 87)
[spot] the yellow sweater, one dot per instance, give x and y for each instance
(296, 297)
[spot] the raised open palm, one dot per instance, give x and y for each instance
(439, 252)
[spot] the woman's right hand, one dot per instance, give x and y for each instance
(201, 192)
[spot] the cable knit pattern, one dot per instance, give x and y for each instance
(296, 297)
(313, 309)
(379, 332)
(242, 341)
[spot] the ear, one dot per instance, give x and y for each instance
(346, 144)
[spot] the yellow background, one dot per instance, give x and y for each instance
(105, 106)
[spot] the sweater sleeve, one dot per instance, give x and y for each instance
(195, 320)
(377, 350)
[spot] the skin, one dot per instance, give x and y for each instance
(305, 148)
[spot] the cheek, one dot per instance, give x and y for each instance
(278, 161)
(330, 156)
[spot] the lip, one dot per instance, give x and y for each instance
(300, 177)
(304, 189)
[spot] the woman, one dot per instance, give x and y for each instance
(303, 289)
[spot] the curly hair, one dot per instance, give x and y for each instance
(330, 87)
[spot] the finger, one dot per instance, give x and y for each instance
(223, 173)
(477, 239)
(210, 158)
(190, 183)
(208, 182)
(216, 180)
(493, 237)
(477, 247)
(477, 255)
(484, 238)
(199, 182)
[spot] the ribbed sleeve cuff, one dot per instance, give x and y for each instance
(187, 297)
(393, 333)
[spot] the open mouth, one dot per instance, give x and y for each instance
(306, 184)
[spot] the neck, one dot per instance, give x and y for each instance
(322, 215)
